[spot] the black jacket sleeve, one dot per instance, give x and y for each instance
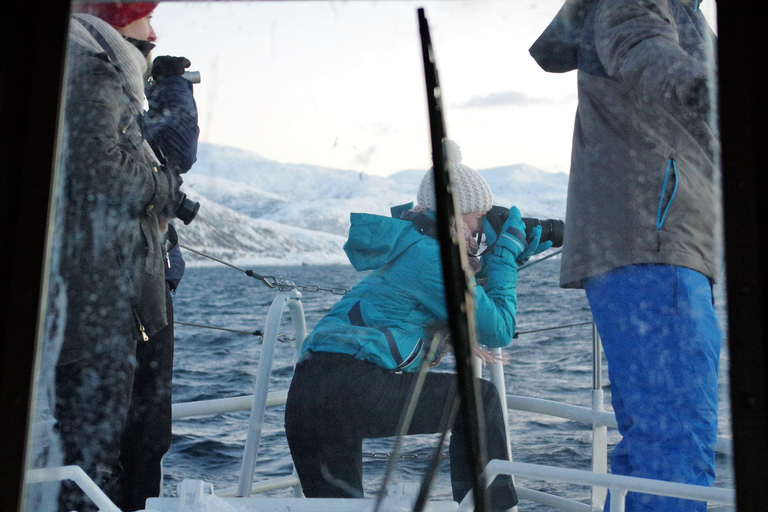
(171, 123)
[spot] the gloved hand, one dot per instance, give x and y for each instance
(165, 66)
(543, 247)
(511, 240)
(174, 192)
(534, 247)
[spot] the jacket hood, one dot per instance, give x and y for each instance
(568, 42)
(556, 50)
(375, 241)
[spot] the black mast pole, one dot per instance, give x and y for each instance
(458, 292)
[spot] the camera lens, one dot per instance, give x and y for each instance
(551, 230)
(186, 209)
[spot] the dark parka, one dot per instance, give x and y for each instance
(644, 163)
(111, 255)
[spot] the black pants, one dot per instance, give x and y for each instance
(335, 401)
(147, 434)
(92, 397)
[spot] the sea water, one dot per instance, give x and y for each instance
(549, 364)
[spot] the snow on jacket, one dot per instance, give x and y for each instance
(111, 259)
(644, 163)
(172, 130)
(389, 315)
(171, 122)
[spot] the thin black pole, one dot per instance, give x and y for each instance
(458, 293)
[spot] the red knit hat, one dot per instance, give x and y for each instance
(118, 15)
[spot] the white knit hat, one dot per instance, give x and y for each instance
(472, 190)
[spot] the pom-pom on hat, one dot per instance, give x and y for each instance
(472, 190)
(119, 15)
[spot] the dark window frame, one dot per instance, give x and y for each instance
(32, 43)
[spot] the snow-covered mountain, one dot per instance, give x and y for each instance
(259, 211)
(241, 240)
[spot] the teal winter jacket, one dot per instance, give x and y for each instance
(389, 315)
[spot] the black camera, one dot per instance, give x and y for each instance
(185, 209)
(178, 204)
(551, 229)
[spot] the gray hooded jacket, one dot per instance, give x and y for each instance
(644, 164)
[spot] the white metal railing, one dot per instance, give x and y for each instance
(259, 400)
(595, 416)
(561, 410)
(291, 299)
(77, 475)
(585, 415)
(220, 405)
(619, 485)
(599, 430)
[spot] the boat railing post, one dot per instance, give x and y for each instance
(299, 333)
(299, 323)
(618, 499)
(599, 431)
(477, 367)
(496, 372)
(79, 477)
(261, 389)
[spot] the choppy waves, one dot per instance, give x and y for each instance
(555, 365)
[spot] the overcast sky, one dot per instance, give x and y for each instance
(341, 84)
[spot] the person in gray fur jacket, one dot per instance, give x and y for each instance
(111, 261)
(641, 224)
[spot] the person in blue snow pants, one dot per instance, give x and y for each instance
(663, 351)
(641, 235)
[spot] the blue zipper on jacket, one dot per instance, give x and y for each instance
(661, 213)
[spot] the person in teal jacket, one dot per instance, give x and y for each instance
(357, 366)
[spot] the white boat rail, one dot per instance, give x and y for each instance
(292, 299)
(77, 475)
(618, 484)
(597, 417)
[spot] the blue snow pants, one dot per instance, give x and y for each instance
(662, 343)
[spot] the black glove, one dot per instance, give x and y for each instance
(174, 192)
(165, 66)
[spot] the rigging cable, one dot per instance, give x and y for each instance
(269, 281)
(254, 333)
